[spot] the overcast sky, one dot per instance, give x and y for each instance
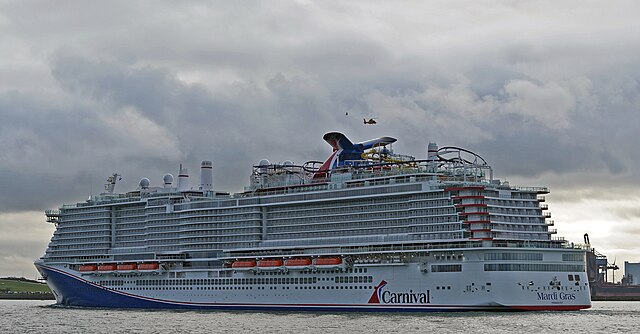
(548, 92)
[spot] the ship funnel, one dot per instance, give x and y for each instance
(432, 151)
(206, 175)
(183, 179)
(432, 157)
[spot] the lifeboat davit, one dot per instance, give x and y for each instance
(88, 268)
(107, 267)
(268, 264)
(127, 266)
(148, 266)
(244, 264)
(328, 262)
(298, 263)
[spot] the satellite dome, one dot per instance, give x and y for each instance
(287, 163)
(167, 178)
(263, 163)
(144, 183)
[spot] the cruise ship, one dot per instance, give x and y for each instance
(365, 230)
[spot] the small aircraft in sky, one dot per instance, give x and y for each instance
(370, 121)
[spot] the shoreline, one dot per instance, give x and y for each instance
(27, 296)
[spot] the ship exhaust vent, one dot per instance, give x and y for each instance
(206, 175)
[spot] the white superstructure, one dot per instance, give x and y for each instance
(373, 230)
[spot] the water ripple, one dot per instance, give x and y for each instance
(41, 317)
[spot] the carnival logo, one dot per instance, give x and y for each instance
(382, 296)
(375, 299)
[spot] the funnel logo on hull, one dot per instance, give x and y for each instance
(375, 299)
(382, 296)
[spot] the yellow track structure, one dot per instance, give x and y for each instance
(388, 158)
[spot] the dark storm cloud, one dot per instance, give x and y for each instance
(232, 126)
(524, 129)
(114, 112)
(49, 154)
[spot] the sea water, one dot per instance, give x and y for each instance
(42, 317)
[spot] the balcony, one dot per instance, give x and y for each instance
(53, 216)
(539, 190)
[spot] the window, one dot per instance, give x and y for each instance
(441, 268)
(513, 256)
(573, 257)
(533, 267)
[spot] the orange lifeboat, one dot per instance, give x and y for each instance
(298, 263)
(270, 264)
(148, 266)
(244, 264)
(328, 262)
(88, 267)
(127, 266)
(107, 267)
